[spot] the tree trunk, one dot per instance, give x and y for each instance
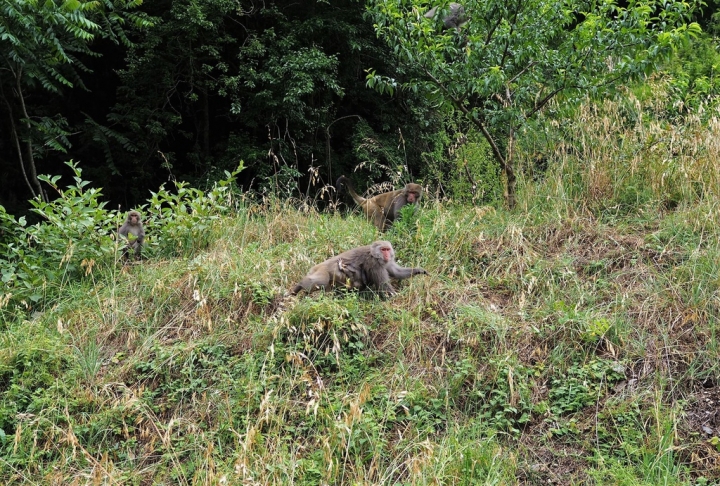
(31, 180)
(509, 172)
(205, 124)
(28, 144)
(504, 161)
(510, 181)
(18, 148)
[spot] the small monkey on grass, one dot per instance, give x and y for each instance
(133, 233)
(384, 208)
(370, 266)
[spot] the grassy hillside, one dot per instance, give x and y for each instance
(541, 348)
(573, 341)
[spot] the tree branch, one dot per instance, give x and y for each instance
(31, 159)
(478, 123)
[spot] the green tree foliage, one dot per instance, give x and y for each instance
(511, 58)
(279, 85)
(41, 49)
(217, 81)
(693, 80)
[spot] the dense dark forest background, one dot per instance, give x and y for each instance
(186, 89)
(201, 85)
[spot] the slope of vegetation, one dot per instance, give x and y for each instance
(572, 341)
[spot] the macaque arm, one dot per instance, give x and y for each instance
(396, 271)
(383, 283)
(307, 284)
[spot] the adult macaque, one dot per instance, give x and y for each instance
(371, 266)
(454, 19)
(133, 233)
(384, 208)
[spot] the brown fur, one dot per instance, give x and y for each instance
(133, 226)
(384, 208)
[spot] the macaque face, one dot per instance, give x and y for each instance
(386, 253)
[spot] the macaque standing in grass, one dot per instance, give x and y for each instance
(133, 233)
(384, 208)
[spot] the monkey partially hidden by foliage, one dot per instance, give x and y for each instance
(454, 19)
(384, 208)
(133, 233)
(371, 266)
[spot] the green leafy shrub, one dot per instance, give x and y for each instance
(501, 396)
(324, 331)
(73, 237)
(76, 235)
(182, 370)
(583, 385)
(475, 176)
(692, 80)
(186, 218)
(621, 430)
(28, 371)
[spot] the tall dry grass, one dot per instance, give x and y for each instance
(621, 153)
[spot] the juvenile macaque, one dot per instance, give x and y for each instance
(454, 19)
(371, 266)
(384, 208)
(354, 277)
(133, 233)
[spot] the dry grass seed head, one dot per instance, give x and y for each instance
(509, 254)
